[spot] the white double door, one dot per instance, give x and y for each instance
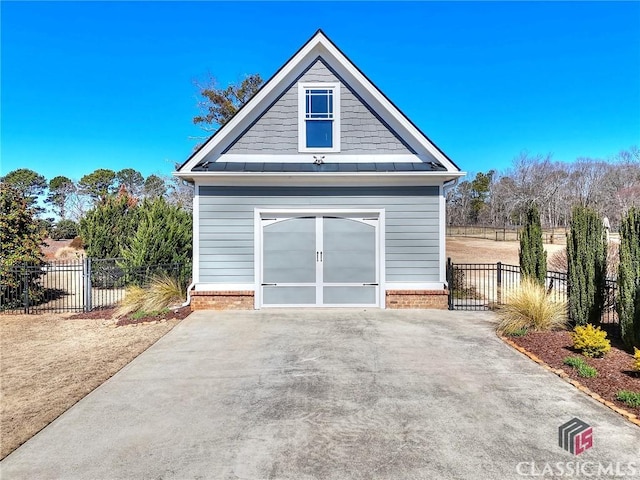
(320, 260)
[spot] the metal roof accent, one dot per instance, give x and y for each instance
(256, 167)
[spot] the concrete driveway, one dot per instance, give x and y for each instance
(327, 394)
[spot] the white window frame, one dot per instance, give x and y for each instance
(302, 124)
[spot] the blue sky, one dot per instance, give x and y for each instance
(87, 85)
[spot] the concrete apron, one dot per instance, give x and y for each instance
(326, 394)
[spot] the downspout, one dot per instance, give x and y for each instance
(188, 302)
(446, 186)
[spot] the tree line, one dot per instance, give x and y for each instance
(501, 199)
(61, 203)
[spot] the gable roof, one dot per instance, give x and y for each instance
(319, 46)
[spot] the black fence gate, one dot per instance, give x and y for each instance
(485, 286)
(75, 286)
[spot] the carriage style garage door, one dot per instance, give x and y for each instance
(320, 260)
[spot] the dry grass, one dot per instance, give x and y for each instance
(49, 362)
(163, 291)
(477, 250)
(530, 308)
(67, 253)
(133, 300)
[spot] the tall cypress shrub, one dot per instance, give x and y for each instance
(533, 258)
(629, 278)
(587, 266)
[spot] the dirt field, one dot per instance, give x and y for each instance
(476, 250)
(49, 362)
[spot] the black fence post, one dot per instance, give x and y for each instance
(86, 273)
(25, 286)
(449, 275)
(499, 283)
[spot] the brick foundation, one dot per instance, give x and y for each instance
(243, 300)
(225, 300)
(417, 299)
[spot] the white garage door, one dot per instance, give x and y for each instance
(320, 260)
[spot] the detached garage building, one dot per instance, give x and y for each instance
(319, 192)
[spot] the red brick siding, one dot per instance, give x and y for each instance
(226, 300)
(417, 299)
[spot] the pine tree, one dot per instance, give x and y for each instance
(533, 257)
(587, 266)
(629, 278)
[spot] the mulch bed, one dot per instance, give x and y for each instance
(109, 313)
(614, 369)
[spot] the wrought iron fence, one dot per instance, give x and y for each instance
(504, 234)
(484, 286)
(74, 286)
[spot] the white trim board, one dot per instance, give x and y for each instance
(320, 178)
(224, 287)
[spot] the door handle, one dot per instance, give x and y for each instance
(269, 284)
(318, 256)
(369, 284)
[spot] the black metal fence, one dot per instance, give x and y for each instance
(485, 286)
(504, 234)
(77, 285)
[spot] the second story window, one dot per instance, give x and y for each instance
(319, 117)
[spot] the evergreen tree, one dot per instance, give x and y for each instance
(533, 257)
(587, 266)
(629, 278)
(20, 241)
(109, 226)
(163, 235)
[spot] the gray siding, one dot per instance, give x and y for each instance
(277, 130)
(227, 222)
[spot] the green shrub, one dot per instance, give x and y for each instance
(587, 371)
(584, 369)
(64, 229)
(628, 304)
(521, 332)
(587, 266)
(533, 257)
(573, 362)
(530, 308)
(20, 238)
(142, 313)
(163, 234)
(109, 226)
(629, 398)
(590, 341)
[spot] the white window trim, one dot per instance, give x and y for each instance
(302, 124)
